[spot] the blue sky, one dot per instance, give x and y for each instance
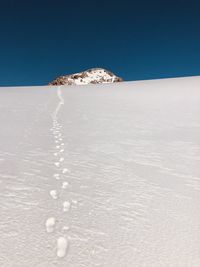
(41, 40)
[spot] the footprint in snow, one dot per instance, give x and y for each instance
(53, 194)
(66, 206)
(57, 164)
(65, 170)
(65, 185)
(57, 176)
(61, 159)
(62, 245)
(50, 224)
(65, 228)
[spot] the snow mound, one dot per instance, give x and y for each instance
(91, 76)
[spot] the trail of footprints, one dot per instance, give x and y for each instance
(62, 241)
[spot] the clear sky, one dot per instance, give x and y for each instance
(41, 40)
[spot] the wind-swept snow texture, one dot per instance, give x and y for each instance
(101, 175)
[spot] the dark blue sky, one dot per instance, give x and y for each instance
(135, 39)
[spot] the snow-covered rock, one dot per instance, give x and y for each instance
(91, 76)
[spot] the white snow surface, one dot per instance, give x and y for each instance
(129, 154)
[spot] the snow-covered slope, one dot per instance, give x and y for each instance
(101, 175)
(93, 76)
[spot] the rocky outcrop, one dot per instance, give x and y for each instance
(91, 76)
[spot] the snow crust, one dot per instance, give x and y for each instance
(126, 191)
